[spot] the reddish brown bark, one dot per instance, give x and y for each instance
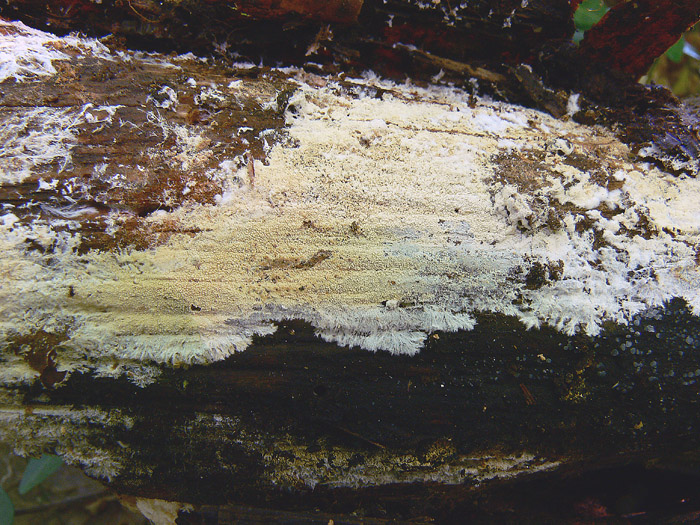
(633, 34)
(63, 11)
(486, 41)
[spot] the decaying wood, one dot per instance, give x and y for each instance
(632, 35)
(423, 39)
(235, 284)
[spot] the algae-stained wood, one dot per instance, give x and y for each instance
(240, 281)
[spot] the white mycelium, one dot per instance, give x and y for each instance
(381, 220)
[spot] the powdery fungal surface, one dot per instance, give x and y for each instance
(381, 219)
(68, 432)
(287, 462)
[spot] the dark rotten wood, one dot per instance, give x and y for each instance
(200, 435)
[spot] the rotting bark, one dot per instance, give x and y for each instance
(633, 34)
(128, 241)
(479, 41)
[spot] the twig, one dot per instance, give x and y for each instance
(358, 436)
(140, 15)
(63, 503)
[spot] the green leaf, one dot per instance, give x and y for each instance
(675, 52)
(7, 509)
(38, 470)
(588, 14)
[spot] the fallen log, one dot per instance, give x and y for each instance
(238, 284)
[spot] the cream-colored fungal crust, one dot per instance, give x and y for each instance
(287, 463)
(68, 432)
(380, 220)
(283, 461)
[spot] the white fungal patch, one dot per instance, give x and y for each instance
(210, 94)
(167, 98)
(27, 53)
(572, 104)
(379, 221)
(42, 429)
(190, 148)
(35, 137)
